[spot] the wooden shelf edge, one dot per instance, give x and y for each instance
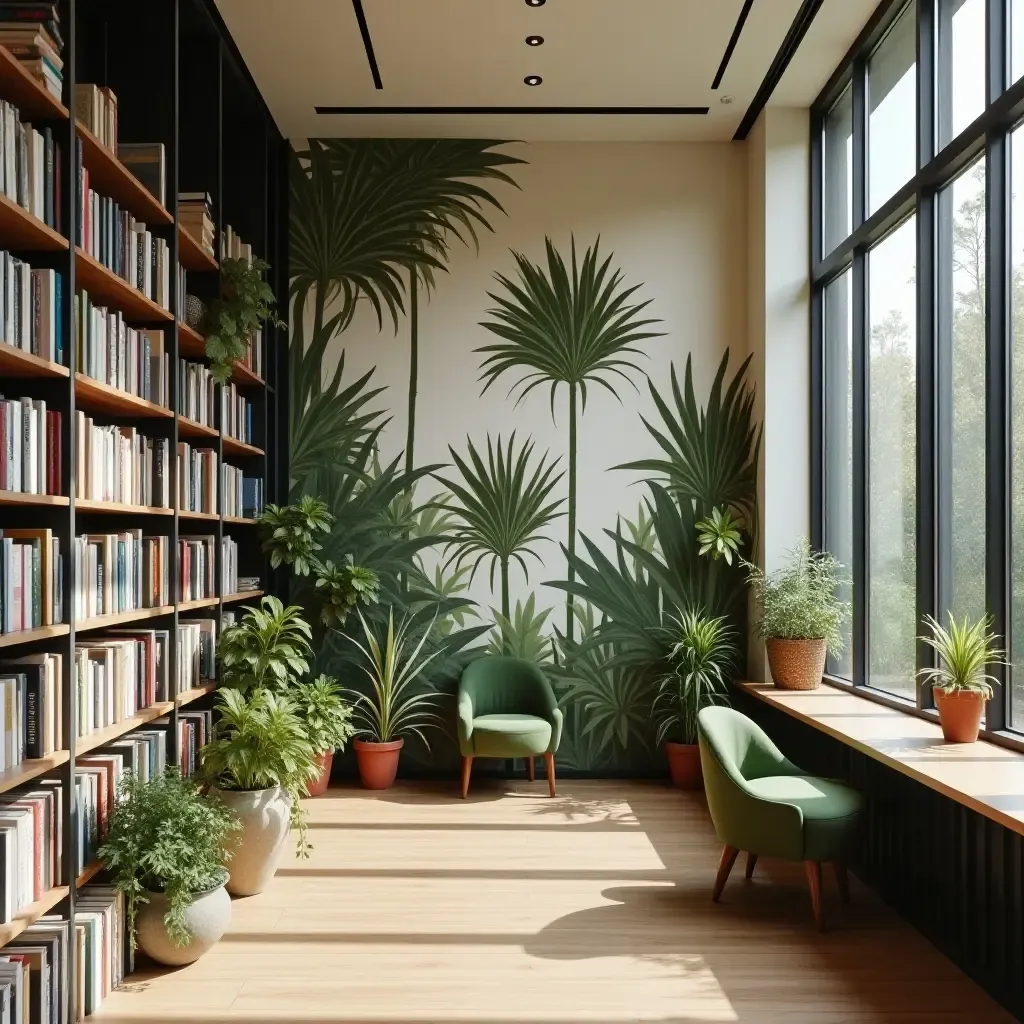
(32, 913)
(19, 363)
(189, 696)
(28, 231)
(195, 429)
(202, 602)
(232, 446)
(207, 516)
(88, 874)
(89, 505)
(193, 256)
(122, 618)
(31, 769)
(32, 98)
(113, 401)
(244, 595)
(109, 733)
(27, 636)
(116, 291)
(20, 498)
(240, 520)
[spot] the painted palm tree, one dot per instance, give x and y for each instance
(565, 325)
(503, 505)
(374, 220)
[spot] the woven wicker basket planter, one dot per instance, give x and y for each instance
(796, 664)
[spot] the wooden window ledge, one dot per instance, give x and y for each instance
(983, 776)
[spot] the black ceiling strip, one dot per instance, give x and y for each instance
(675, 111)
(794, 37)
(364, 31)
(733, 40)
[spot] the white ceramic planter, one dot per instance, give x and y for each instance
(265, 815)
(206, 918)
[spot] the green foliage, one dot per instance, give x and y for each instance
(391, 709)
(165, 836)
(268, 646)
(700, 659)
(798, 601)
(720, 535)
(344, 587)
(260, 742)
(245, 302)
(325, 713)
(289, 532)
(965, 650)
(522, 635)
(503, 507)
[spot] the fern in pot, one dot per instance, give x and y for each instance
(165, 849)
(799, 615)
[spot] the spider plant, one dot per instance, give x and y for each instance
(965, 650)
(719, 535)
(503, 505)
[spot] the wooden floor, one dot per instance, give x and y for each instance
(511, 907)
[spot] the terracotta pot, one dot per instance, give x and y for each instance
(684, 765)
(796, 664)
(960, 714)
(265, 815)
(378, 762)
(319, 785)
(206, 919)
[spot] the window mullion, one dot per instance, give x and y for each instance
(861, 482)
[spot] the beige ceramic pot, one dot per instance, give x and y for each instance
(206, 919)
(265, 815)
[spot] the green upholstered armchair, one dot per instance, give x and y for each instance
(507, 708)
(763, 803)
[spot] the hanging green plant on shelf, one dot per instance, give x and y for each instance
(246, 301)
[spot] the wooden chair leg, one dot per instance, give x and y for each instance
(843, 880)
(530, 772)
(467, 768)
(729, 855)
(751, 862)
(549, 767)
(812, 869)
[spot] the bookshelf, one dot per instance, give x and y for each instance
(180, 82)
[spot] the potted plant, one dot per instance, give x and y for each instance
(390, 711)
(245, 301)
(268, 646)
(289, 532)
(258, 764)
(959, 682)
(800, 616)
(327, 719)
(700, 660)
(165, 849)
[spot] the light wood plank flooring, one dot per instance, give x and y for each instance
(511, 908)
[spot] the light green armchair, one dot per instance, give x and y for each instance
(506, 708)
(763, 803)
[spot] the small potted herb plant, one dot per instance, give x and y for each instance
(165, 849)
(700, 659)
(327, 718)
(800, 615)
(959, 682)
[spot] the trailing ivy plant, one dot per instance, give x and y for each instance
(289, 532)
(245, 302)
(165, 837)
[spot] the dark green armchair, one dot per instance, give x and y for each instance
(506, 708)
(763, 803)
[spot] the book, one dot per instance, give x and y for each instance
(236, 414)
(30, 460)
(30, 567)
(196, 561)
(197, 478)
(196, 392)
(29, 300)
(243, 496)
(119, 573)
(120, 464)
(96, 107)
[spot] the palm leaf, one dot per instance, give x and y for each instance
(522, 635)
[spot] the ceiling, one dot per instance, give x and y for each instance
(472, 53)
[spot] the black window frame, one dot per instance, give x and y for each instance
(987, 135)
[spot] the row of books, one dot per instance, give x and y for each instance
(195, 728)
(245, 584)
(197, 653)
(243, 495)
(96, 108)
(30, 446)
(117, 463)
(195, 217)
(229, 566)
(197, 478)
(196, 561)
(120, 572)
(30, 164)
(31, 31)
(30, 702)
(29, 301)
(236, 414)
(31, 579)
(196, 392)
(126, 358)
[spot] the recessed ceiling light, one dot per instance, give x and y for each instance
(535, 3)
(533, 79)
(725, 100)
(534, 40)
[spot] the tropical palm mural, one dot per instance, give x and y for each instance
(374, 222)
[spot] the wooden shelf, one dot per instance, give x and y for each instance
(88, 874)
(246, 595)
(110, 177)
(32, 913)
(120, 618)
(113, 732)
(192, 255)
(30, 769)
(240, 448)
(192, 429)
(18, 498)
(19, 229)
(211, 516)
(191, 343)
(240, 520)
(32, 98)
(87, 505)
(197, 694)
(27, 636)
(16, 363)
(203, 602)
(95, 396)
(243, 376)
(105, 288)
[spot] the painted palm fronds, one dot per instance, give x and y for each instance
(503, 504)
(523, 634)
(574, 326)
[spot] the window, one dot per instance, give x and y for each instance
(837, 221)
(1016, 33)
(961, 85)
(1016, 649)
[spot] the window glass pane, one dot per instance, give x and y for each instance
(838, 421)
(1016, 710)
(1016, 39)
(837, 216)
(892, 445)
(961, 81)
(892, 106)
